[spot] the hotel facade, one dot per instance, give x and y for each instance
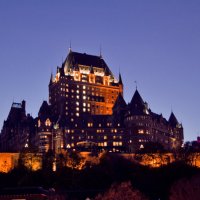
(87, 111)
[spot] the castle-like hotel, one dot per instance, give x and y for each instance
(87, 111)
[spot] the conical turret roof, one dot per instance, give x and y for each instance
(45, 111)
(120, 102)
(172, 120)
(137, 105)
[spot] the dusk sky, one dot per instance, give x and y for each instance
(156, 43)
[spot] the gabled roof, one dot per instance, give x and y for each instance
(172, 120)
(75, 58)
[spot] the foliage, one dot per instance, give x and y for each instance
(29, 159)
(186, 189)
(123, 191)
(154, 183)
(75, 161)
(48, 161)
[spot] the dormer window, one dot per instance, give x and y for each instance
(48, 122)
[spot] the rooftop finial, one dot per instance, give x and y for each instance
(70, 46)
(135, 84)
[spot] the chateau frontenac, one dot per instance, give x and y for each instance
(86, 111)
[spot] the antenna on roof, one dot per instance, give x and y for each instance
(70, 46)
(100, 52)
(135, 84)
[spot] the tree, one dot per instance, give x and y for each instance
(48, 160)
(74, 160)
(123, 191)
(186, 189)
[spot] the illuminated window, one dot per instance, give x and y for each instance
(72, 119)
(77, 103)
(141, 146)
(84, 92)
(77, 108)
(77, 91)
(77, 114)
(84, 86)
(105, 137)
(39, 123)
(117, 143)
(141, 131)
(90, 124)
(84, 104)
(48, 122)
(105, 144)
(84, 109)
(84, 97)
(77, 96)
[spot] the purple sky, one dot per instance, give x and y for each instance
(156, 43)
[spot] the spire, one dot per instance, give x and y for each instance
(58, 70)
(120, 79)
(51, 79)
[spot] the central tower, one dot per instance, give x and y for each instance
(84, 85)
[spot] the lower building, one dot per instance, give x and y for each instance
(129, 129)
(18, 130)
